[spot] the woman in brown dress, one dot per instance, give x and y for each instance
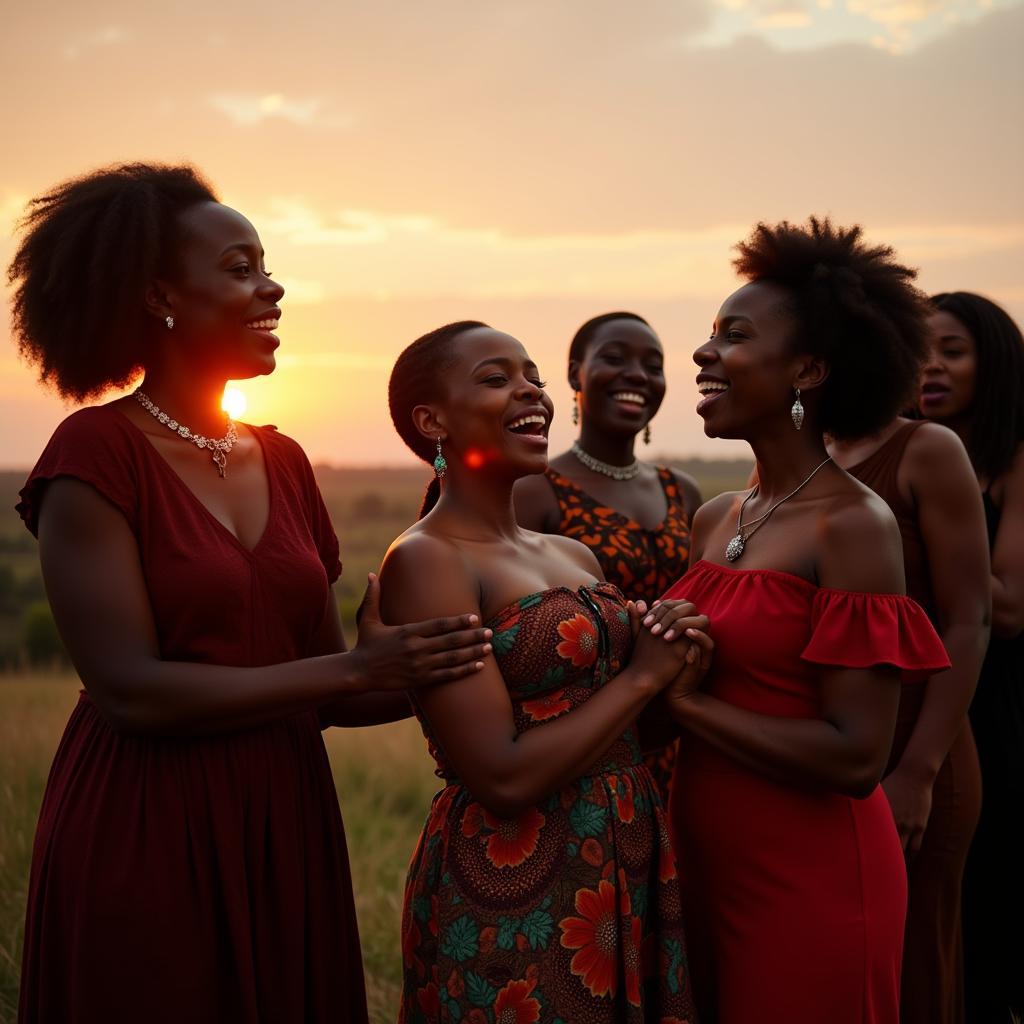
(932, 780)
(634, 516)
(973, 383)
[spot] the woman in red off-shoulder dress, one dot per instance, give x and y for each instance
(794, 887)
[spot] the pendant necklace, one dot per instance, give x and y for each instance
(735, 547)
(220, 448)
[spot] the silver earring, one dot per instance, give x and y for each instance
(170, 322)
(797, 412)
(440, 465)
(575, 408)
(647, 434)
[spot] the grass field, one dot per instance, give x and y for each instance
(384, 780)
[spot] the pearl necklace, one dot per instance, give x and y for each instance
(219, 448)
(615, 472)
(735, 547)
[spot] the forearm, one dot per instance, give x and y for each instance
(528, 767)
(944, 708)
(655, 726)
(155, 697)
(806, 753)
(366, 709)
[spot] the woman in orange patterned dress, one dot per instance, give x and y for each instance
(633, 515)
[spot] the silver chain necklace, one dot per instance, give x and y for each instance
(220, 448)
(735, 547)
(605, 468)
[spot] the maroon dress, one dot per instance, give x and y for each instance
(195, 879)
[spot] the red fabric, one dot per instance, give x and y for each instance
(794, 900)
(196, 879)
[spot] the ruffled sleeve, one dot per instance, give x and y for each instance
(851, 630)
(91, 446)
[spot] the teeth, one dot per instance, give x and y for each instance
(524, 420)
(707, 386)
(629, 396)
(264, 325)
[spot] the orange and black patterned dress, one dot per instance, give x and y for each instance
(642, 563)
(568, 913)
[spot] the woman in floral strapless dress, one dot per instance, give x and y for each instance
(544, 886)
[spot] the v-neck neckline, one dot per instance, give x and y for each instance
(630, 522)
(194, 498)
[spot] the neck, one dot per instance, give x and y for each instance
(476, 506)
(784, 462)
(191, 401)
(615, 449)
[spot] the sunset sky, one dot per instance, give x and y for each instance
(529, 163)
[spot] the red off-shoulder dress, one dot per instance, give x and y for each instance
(199, 879)
(794, 900)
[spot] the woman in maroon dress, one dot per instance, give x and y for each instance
(794, 887)
(634, 516)
(189, 863)
(932, 781)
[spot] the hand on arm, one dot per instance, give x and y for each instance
(472, 719)
(98, 594)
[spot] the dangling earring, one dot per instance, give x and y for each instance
(647, 434)
(170, 322)
(440, 465)
(797, 412)
(575, 408)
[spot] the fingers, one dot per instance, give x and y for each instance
(704, 644)
(369, 607)
(453, 642)
(672, 618)
(635, 610)
(449, 624)
(454, 664)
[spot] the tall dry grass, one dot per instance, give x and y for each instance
(384, 780)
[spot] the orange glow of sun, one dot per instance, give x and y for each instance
(234, 403)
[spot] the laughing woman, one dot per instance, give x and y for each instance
(634, 516)
(794, 888)
(543, 886)
(189, 863)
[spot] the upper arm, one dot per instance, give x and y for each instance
(470, 717)
(536, 505)
(951, 518)
(1008, 552)
(94, 580)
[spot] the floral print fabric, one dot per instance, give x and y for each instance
(570, 911)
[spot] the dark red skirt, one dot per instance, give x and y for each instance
(194, 880)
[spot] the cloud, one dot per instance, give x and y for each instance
(110, 35)
(247, 111)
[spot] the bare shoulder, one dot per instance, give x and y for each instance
(708, 517)
(933, 446)
(536, 504)
(425, 575)
(858, 543)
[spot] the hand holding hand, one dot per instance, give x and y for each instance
(420, 653)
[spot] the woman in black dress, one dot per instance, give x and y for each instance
(973, 382)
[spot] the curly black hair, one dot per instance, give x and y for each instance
(997, 417)
(856, 307)
(414, 380)
(91, 246)
(585, 335)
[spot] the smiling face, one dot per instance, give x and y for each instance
(950, 369)
(224, 304)
(621, 378)
(493, 412)
(748, 366)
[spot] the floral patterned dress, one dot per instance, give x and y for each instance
(570, 911)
